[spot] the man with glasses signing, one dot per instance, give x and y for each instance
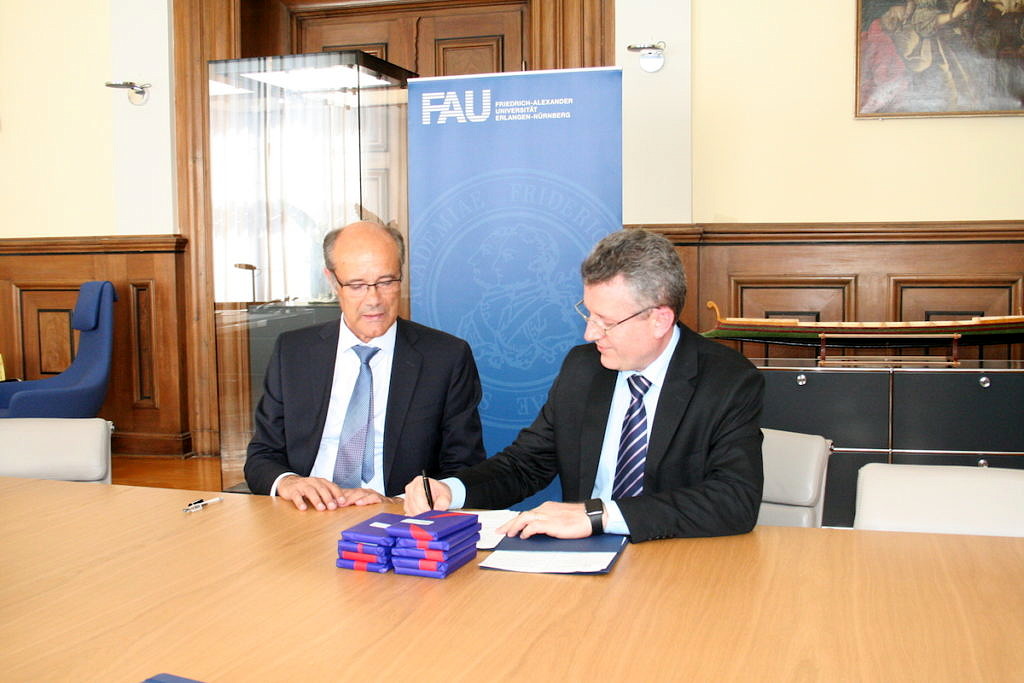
(352, 410)
(652, 429)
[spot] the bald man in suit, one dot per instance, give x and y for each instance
(425, 389)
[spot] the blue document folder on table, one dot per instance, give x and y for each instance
(546, 554)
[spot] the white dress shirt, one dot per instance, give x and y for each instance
(346, 371)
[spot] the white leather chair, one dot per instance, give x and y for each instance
(945, 499)
(71, 449)
(794, 478)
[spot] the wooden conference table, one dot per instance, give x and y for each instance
(116, 583)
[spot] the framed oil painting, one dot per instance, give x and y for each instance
(940, 58)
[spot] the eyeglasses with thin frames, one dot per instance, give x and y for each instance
(602, 327)
(389, 286)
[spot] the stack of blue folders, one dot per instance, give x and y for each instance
(434, 543)
(366, 547)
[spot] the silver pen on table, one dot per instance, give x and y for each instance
(200, 504)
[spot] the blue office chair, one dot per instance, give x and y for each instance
(78, 391)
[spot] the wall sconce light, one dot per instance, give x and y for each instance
(137, 94)
(652, 55)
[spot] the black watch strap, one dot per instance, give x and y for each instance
(595, 511)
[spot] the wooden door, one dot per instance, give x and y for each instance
(478, 38)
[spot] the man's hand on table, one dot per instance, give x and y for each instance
(561, 520)
(321, 494)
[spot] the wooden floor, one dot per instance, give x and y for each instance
(203, 473)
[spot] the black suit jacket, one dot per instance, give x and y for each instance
(431, 422)
(703, 472)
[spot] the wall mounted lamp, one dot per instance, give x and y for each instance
(138, 94)
(652, 55)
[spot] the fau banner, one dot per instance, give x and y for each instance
(512, 180)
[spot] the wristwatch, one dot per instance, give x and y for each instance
(595, 511)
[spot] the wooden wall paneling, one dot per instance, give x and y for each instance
(265, 28)
(809, 298)
(917, 232)
(939, 297)
(57, 346)
(234, 379)
(598, 36)
(956, 297)
(472, 43)
(152, 379)
(147, 396)
(44, 341)
(160, 415)
(9, 345)
(203, 31)
(379, 50)
(690, 257)
(686, 243)
(140, 301)
(556, 34)
(567, 34)
(431, 39)
(468, 55)
(388, 36)
(978, 264)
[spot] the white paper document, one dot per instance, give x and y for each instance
(551, 562)
(490, 520)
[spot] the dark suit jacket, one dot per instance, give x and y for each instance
(703, 473)
(431, 422)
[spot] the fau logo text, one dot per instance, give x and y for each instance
(447, 105)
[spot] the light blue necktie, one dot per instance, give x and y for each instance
(355, 448)
(629, 469)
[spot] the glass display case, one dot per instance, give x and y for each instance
(299, 144)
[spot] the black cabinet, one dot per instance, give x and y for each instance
(951, 416)
(958, 411)
(854, 404)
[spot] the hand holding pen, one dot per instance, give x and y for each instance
(424, 493)
(426, 490)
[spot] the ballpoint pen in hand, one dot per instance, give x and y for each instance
(426, 490)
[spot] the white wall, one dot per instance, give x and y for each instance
(656, 149)
(75, 157)
(143, 143)
(775, 139)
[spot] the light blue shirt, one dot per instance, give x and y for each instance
(346, 371)
(655, 372)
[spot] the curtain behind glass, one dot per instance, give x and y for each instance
(284, 170)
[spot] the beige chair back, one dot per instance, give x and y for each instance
(945, 499)
(794, 478)
(71, 449)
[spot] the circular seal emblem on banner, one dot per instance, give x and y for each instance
(495, 260)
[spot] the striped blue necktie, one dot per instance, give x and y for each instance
(355, 447)
(629, 470)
